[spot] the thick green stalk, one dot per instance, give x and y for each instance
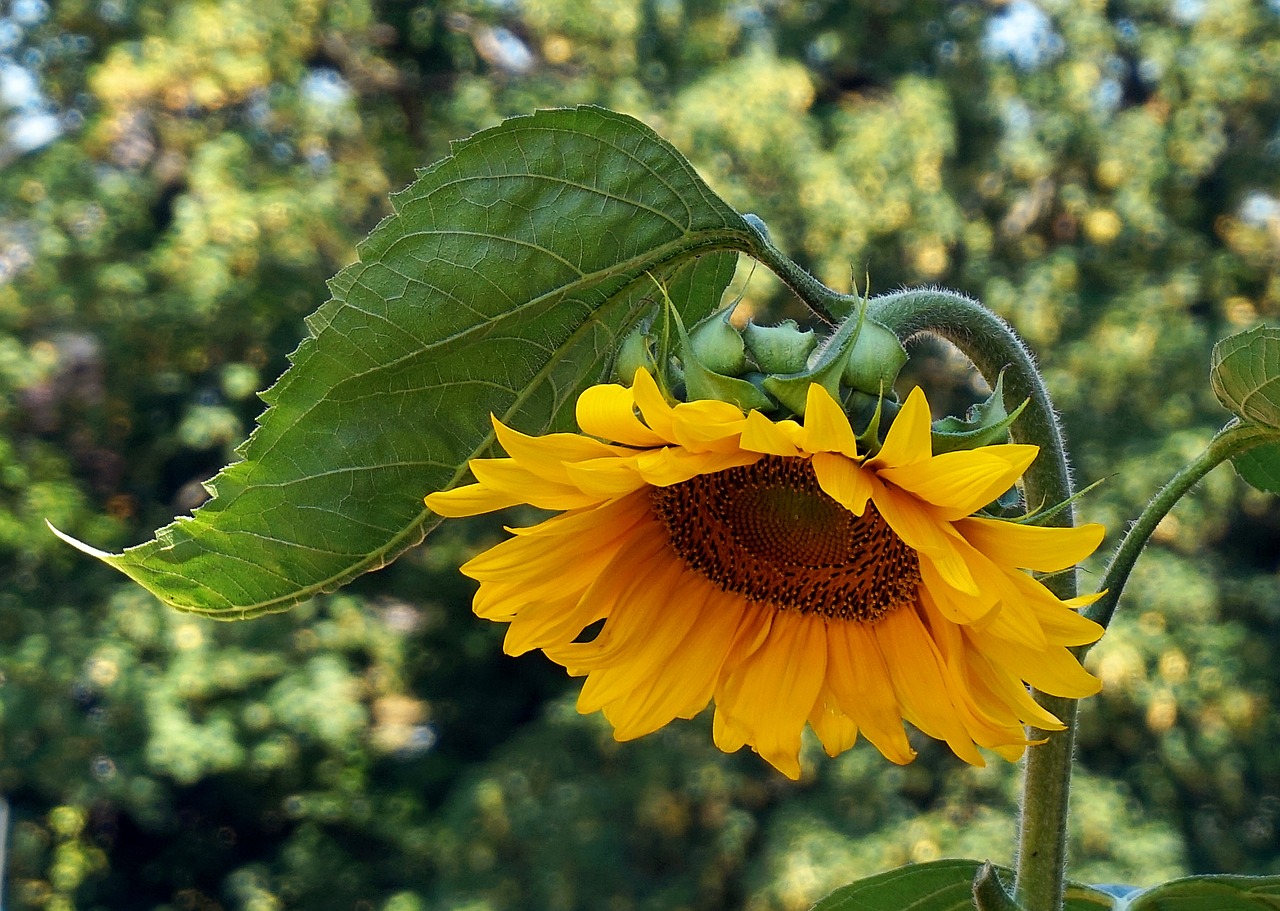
(993, 346)
(1230, 441)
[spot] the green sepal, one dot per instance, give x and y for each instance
(1007, 503)
(703, 383)
(986, 423)
(717, 345)
(874, 360)
(865, 414)
(757, 224)
(635, 353)
(792, 389)
(1043, 515)
(780, 349)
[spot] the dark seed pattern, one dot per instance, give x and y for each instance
(769, 532)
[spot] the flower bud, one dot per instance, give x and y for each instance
(874, 360)
(717, 345)
(779, 349)
(714, 349)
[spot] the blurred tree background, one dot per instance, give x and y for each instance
(178, 180)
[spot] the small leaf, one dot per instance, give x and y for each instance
(1245, 375)
(940, 885)
(1260, 467)
(501, 285)
(1211, 893)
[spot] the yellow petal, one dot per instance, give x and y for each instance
(509, 477)
(826, 426)
(861, 686)
(546, 456)
(1061, 624)
(918, 525)
(843, 480)
(988, 717)
(757, 620)
(547, 624)
(1053, 670)
(1048, 549)
(682, 685)
(707, 425)
(653, 406)
(645, 622)
(553, 547)
(728, 734)
(910, 437)
(1083, 600)
(638, 639)
(606, 478)
(506, 600)
(995, 683)
(551, 599)
(1013, 620)
(759, 434)
(664, 467)
(469, 500)
(836, 730)
(773, 691)
(964, 481)
(958, 607)
(920, 684)
(609, 412)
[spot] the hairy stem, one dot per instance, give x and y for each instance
(830, 306)
(1230, 441)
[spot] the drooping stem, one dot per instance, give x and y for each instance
(993, 346)
(1231, 440)
(830, 306)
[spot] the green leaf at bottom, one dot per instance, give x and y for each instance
(1211, 893)
(940, 885)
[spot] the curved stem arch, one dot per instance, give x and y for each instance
(992, 346)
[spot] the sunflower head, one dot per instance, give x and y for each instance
(773, 566)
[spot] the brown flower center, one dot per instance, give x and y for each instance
(768, 532)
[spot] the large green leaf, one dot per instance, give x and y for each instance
(940, 885)
(1211, 893)
(500, 285)
(1245, 373)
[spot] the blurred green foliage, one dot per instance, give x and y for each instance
(1101, 174)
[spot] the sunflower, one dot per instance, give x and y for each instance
(770, 567)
